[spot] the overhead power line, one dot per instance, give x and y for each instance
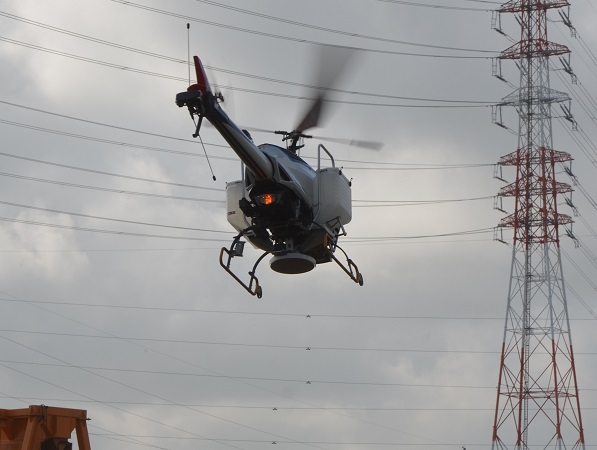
(118, 143)
(215, 69)
(395, 203)
(118, 408)
(124, 233)
(111, 174)
(385, 165)
(370, 240)
(369, 203)
(434, 6)
(286, 38)
(304, 315)
(456, 103)
(179, 360)
(117, 127)
(250, 378)
(96, 230)
(269, 346)
(340, 32)
(88, 216)
(408, 167)
(111, 190)
(267, 407)
(64, 363)
(420, 236)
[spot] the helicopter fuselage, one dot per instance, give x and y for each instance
(281, 194)
(296, 210)
(282, 205)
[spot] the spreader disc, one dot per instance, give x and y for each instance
(292, 263)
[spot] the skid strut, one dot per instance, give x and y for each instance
(236, 249)
(350, 268)
(254, 288)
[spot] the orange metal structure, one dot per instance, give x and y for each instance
(41, 427)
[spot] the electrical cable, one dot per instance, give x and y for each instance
(125, 233)
(111, 190)
(122, 438)
(170, 356)
(93, 122)
(88, 216)
(266, 346)
(96, 230)
(457, 103)
(244, 11)
(27, 400)
(111, 174)
(384, 165)
(372, 203)
(117, 143)
(92, 369)
(421, 236)
(425, 5)
(86, 396)
(160, 309)
(394, 203)
(334, 31)
(285, 38)
(217, 69)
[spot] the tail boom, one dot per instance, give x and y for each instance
(201, 102)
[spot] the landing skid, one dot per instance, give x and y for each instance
(254, 288)
(350, 269)
(236, 249)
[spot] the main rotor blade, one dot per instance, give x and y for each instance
(331, 64)
(368, 145)
(311, 118)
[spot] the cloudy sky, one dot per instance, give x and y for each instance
(111, 296)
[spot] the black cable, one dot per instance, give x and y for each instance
(396, 166)
(394, 203)
(215, 69)
(286, 38)
(111, 174)
(28, 400)
(269, 346)
(65, 364)
(476, 104)
(160, 309)
(95, 230)
(114, 191)
(116, 127)
(334, 31)
(193, 364)
(425, 5)
(87, 216)
(117, 143)
(91, 369)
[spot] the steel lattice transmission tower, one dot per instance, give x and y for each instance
(537, 399)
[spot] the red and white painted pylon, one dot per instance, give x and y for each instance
(537, 403)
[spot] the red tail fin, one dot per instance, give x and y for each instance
(202, 81)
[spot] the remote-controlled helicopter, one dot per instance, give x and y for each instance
(282, 205)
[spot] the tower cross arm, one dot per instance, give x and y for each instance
(534, 48)
(517, 6)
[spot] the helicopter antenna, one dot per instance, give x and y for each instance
(189, 50)
(197, 125)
